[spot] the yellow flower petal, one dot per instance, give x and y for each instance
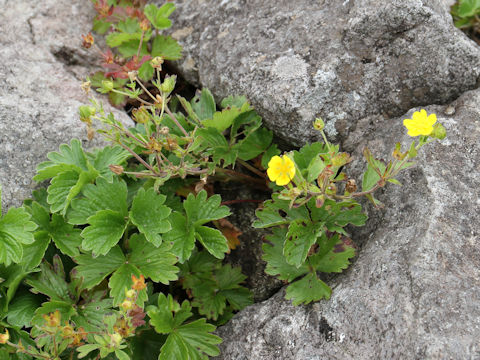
(420, 123)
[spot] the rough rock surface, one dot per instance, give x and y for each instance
(41, 67)
(414, 290)
(341, 60)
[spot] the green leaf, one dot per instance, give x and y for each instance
(147, 346)
(105, 230)
(84, 350)
(145, 72)
(33, 253)
(201, 210)
(15, 229)
(222, 120)
(21, 312)
(12, 276)
(334, 254)
(204, 104)
(185, 341)
(269, 153)
(65, 237)
(309, 288)
(51, 282)
(371, 176)
(94, 270)
(159, 17)
(181, 237)
(315, 167)
(150, 215)
(337, 215)
(304, 157)
(276, 262)
(109, 155)
(254, 144)
(121, 355)
(156, 263)
(240, 102)
(166, 47)
(278, 212)
(395, 181)
(67, 159)
(213, 240)
(65, 186)
(121, 280)
(301, 235)
(468, 8)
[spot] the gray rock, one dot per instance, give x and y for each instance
(341, 60)
(414, 290)
(42, 65)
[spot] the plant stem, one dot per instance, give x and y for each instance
(140, 44)
(167, 110)
(251, 168)
(229, 202)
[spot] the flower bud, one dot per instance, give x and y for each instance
(116, 339)
(130, 293)
(116, 169)
(438, 132)
(107, 85)
(318, 124)
(86, 112)
(168, 84)
(132, 75)
(4, 337)
(164, 131)
(87, 40)
(141, 115)
(319, 200)
(126, 305)
(86, 86)
(351, 186)
(157, 62)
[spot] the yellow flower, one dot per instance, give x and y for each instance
(420, 123)
(281, 170)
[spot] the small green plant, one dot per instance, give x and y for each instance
(121, 256)
(466, 15)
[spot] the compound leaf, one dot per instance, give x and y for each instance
(105, 230)
(201, 210)
(166, 47)
(301, 235)
(149, 215)
(309, 288)
(15, 229)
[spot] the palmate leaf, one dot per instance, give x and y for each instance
(94, 270)
(16, 229)
(105, 230)
(254, 144)
(204, 105)
(150, 215)
(51, 282)
(309, 288)
(201, 210)
(301, 235)
(181, 237)
(278, 212)
(167, 47)
(184, 341)
(213, 285)
(156, 263)
(68, 158)
(213, 240)
(21, 312)
(101, 196)
(109, 155)
(336, 215)
(159, 16)
(334, 254)
(276, 263)
(65, 237)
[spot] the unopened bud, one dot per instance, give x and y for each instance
(140, 115)
(87, 40)
(438, 132)
(164, 130)
(86, 86)
(132, 75)
(4, 337)
(157, 62)
(116, 339)
(168, 84)
(351, 186)
(130, 293)
(86, 112)
(126, 305)
(145, 24)
(319, 200)
(318, 124)
(107, 85)
(116, 169)
(90, 132)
